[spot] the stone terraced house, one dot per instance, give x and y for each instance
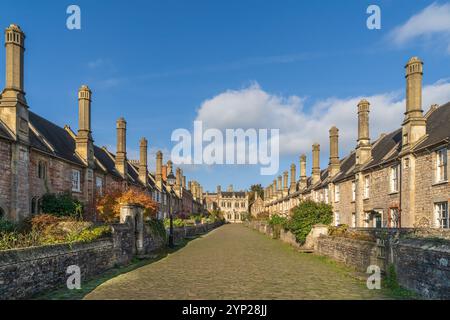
(234, 205)
(39, 157)
(398, 180)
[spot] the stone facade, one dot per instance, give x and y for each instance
(398, 180)
(234, 205)
(39, 157)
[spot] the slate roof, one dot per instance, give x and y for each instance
(4, 133)
(61, 141)
(438, 127)
(227, 194)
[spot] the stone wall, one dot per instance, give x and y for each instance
(27, 272)
(354, 253)
(422, 264)
(5, 177)
(424, 267)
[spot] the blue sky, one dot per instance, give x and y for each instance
(157, 62)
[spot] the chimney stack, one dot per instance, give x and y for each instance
(219, 189)
(303, 177)
(316, 163)
(184, 182)
(274, 189)
(293, 179)
(414, 125)
(364, 148)
(335, 165)
(143, 166)
(84, 142)
(285, 183)
(280, 186)
(159, 161)
(13, 105)
(121, 156)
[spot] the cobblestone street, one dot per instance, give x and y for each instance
(234, 262)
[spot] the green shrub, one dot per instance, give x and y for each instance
(177, 223)
(90, 234)
(158, 227)
(306, 215)
(61, 205)
(277, 220)
(7, 226)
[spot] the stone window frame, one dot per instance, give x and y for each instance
(42, 170)
(337, 193)
(337, 218)
(441, 164)
(76, 180)
(353, 191)
(354, 222)
(99, 189)
(394, 178)
(442, 217)
(366, 186)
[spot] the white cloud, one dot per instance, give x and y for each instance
(433, 22)
(299, 126)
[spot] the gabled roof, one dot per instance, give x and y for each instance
(63, 145)
(438, 127)
(386, 149)
(347, 167)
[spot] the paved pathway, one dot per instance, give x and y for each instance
(234, 262)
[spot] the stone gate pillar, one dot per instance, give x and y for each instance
(133, 215)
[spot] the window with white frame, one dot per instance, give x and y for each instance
(395, 175)
(441, 165)
(337, 219)
(441, 214)
(366, 187)
(99, 185)
(337, 193)
(76, 180)
(353, 191)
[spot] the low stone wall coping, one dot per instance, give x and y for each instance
(14, 256)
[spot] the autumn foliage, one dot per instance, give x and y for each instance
(108, 205)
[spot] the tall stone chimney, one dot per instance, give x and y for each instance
(178, 180)
(280, 187)
(143, 163)
(219, 189)
(184, 182)
(13, 105)
(158, 175)
(363, 148)
(293, 179)
(121, 156)
(190, 186)
(303, 178)
(274, 189)
(414, 126)
(84, 142)
(316, 163)
(285, 183)
(335, 165)
(14, 114)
